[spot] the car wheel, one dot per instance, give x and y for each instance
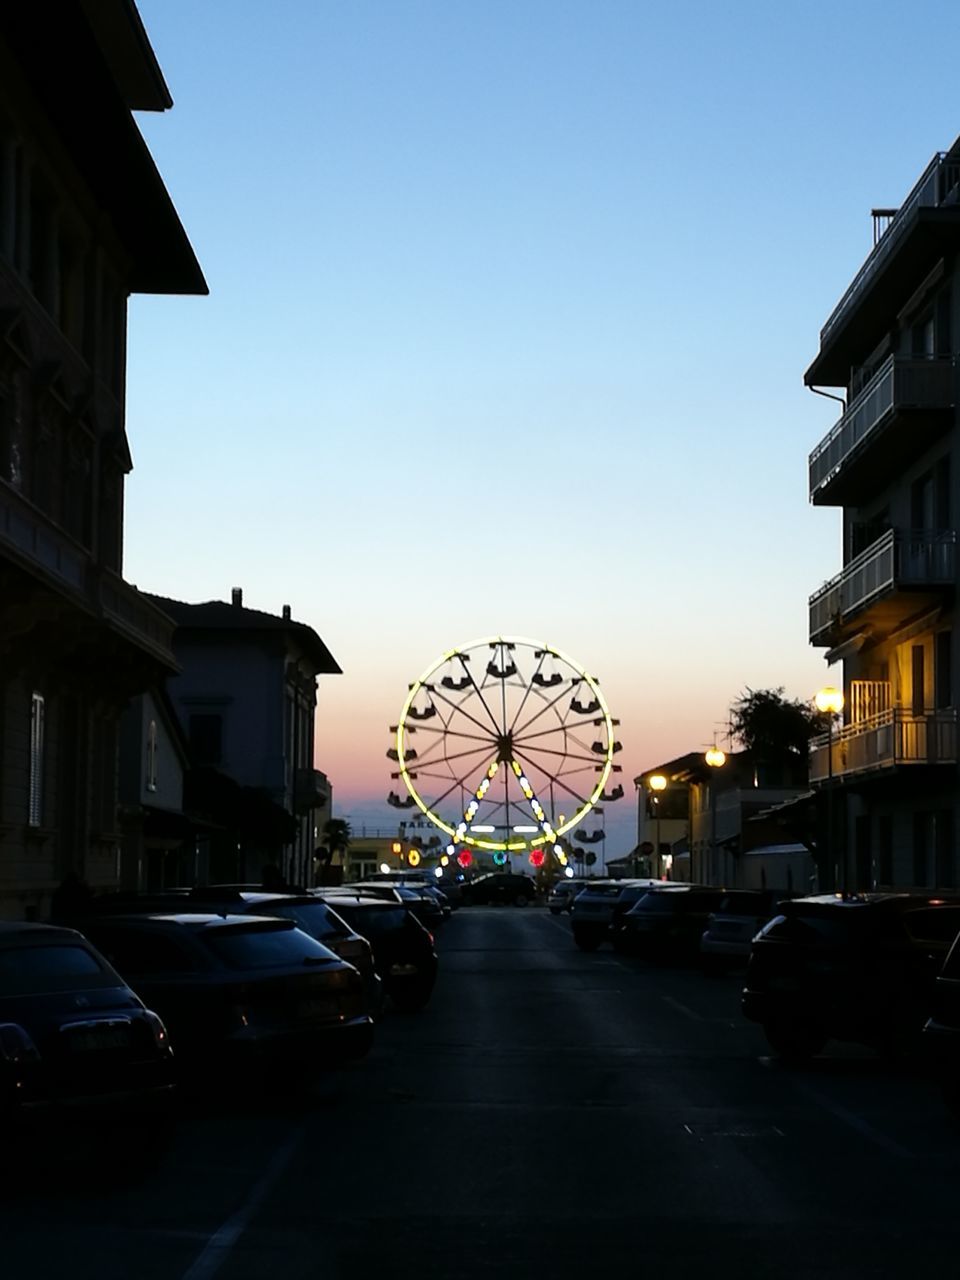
(794, 1041)
(521, 900)
(555, 911)
(586, 941)
(712, 966)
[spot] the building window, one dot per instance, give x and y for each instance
(151, 779)
(206, 738)
(917, 680)
(885, 849)
(943, 669)
(943, 848)
(35, 801)
(920, 823)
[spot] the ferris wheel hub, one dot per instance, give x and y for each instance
(505, 748)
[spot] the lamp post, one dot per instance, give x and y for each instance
(829, 702)
(657, 784)
(716, 759)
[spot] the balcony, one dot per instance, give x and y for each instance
(36, 544)
(311, 790)
(862, 451)
(129, 613)
(925, 229)
(901, 573)
(890, 739)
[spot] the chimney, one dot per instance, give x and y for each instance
(237, 596)
(286, 613)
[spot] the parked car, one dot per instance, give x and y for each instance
(418, 878)
(597, 908)
(239, 991)
(76, 1041)
(666, 925)
(733, 925)
(562, 893)
(403, 950)
(307, 912)
(941, 1032)
(500, 888)
(419, 899)
(857, 967)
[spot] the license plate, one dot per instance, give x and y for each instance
(316, 1008)
(401, 970)
(94, 1041)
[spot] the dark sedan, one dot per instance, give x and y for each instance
(240, 990)
(75, 1040)
(403, 949)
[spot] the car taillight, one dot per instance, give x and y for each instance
(160, 1037)
(16, 1045)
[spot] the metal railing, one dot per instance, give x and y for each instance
(898, 559)
(126, 609)
(892, 737)
(900, 382)
(934, 187)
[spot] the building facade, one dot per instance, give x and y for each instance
(887, 774)
(85, 221)
(246, 697)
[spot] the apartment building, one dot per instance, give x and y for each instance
(85, 221)
(246, 696)
(888, 773)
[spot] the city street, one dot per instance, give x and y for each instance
(551, 1112)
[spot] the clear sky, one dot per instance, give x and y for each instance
(510, 306)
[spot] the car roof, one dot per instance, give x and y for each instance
(32, 931)
(858, 901)
(193, 921)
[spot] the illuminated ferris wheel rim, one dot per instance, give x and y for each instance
(550, 834)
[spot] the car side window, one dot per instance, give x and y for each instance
(938, 924)
(144, 952)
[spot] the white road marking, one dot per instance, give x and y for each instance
(219, 1246)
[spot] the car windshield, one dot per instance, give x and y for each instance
(35, 970)
(745, 904)
(371, 921)
(314, 918)
(266, 948)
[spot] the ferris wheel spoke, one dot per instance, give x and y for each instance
(527, 690)
(547, 706)
(555, 779)
(457, 708)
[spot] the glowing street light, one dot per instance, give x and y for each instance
(829, 702)
(715, 759)
(657, 783)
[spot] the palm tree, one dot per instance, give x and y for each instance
(336, 839)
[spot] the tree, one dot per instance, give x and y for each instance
(336, 839)
(774, 729)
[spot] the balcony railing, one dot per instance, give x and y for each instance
(936, 186)
(140, 619)
(900, 383)
(311, 790)
(31, 537)
(890, 738)
(900, 559)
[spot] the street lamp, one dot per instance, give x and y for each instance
(829, 702)
(716, 759)
(657, 783)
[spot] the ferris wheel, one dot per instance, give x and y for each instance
(505, 745)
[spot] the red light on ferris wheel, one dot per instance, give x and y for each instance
(536, 857)
(464, 857)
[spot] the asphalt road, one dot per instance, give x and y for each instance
(551, 1113)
